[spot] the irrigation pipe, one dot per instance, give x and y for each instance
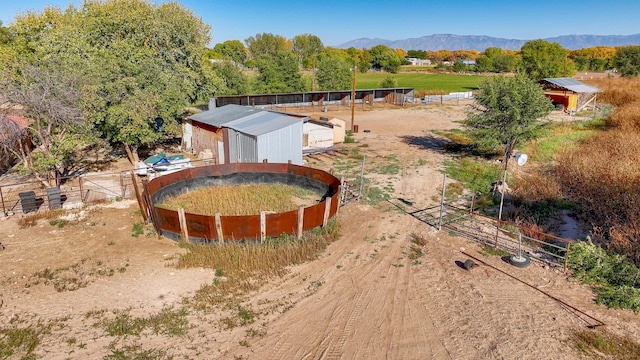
(599, 323)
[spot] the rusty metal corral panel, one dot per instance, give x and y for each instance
(202, 227)
(240, 227)
(169, 220)
(282, 223)
(313, 216)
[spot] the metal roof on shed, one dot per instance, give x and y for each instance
(572, 84)
(245, 119)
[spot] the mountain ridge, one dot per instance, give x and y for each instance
(437, 42)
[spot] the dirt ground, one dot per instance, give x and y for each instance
(364, 298)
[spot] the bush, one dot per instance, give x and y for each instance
(388, 82)
(615, 279)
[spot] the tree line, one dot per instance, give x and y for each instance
(537, 58)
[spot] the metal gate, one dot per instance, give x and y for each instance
(351, 190)
(459, 215)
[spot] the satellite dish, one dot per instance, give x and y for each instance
(521, 159)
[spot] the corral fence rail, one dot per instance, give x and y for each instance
(33, 196)
(95, 187)
(460, 216)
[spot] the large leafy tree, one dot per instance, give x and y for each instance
(627, 61)
(334, 74)
(49, 93)
(134, 64)
(506, 113)
(542, 59)
(234, 81)
(278, 74)
(418, 54)
(147, 64)
(45, 77)
(267, 44)
(232, 50)
(385, 58)
(360, 57)
(5, 34)
(307, 47)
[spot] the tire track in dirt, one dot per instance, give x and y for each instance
(360, 305)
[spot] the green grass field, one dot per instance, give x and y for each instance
(444, 83)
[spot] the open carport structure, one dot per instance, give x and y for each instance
(572, 94)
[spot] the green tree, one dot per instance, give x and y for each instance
(267, 44)
(598, 64)
(506, 113)
(388, 82)
(148, 64)
(334, 74)
(331, 52)
(459, 66)
(279, 74)
(49, 92)
(484, 64)
(141, 63)
(504, 63)
(542, 59)
(627, 61)
(492, 52)
(307, 47)
(234, 81)
(582, 63)
(418, 54)
(5, 34)
(232, 50)
(45, 77)
(385, 58)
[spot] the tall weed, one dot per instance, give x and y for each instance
(602, 174)
(246, 266)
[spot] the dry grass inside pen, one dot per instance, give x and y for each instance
(241, 200)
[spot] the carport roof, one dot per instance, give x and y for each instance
(572, 84)
(245, 119)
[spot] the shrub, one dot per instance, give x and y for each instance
(615, 279)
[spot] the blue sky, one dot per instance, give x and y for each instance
(336, 22)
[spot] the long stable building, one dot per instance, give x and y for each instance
(396, 96)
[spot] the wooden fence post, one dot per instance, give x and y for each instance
(300, 221)
(122, 188)
(81, 191)
(327, 209)
(263, 226)
(182, 218)
(4, 210)
(219, 228)
(143, 209)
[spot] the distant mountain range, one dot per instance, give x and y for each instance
(480, 42)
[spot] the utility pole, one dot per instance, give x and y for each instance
(353, 99)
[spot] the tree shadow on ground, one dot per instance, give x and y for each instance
(95, 157)
(428, 142)
(438, 143)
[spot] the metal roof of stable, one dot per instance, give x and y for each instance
(245, 119)
(572, 84)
